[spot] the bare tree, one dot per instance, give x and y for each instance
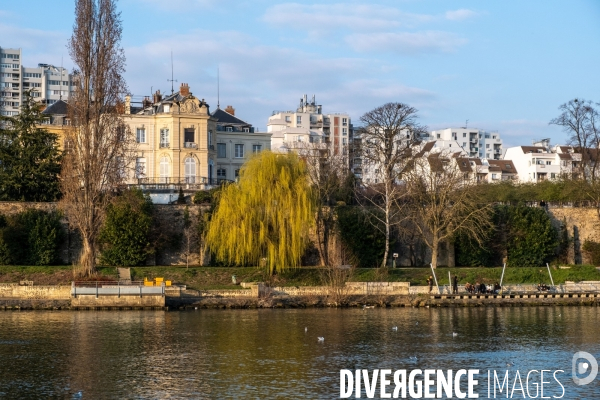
(443, 202)
(98, 146)
(389, 137)
(580, 120)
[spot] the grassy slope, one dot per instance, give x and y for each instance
(220, 277)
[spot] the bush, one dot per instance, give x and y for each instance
(125, 236)
(360, 236)
(202, 197)
(31, 237)
(524, 234)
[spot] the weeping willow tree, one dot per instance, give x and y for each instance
(265, 218)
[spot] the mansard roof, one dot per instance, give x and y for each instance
(58, 108)
(224, 118)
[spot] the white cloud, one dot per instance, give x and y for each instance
(406, 42)
(38, 46)
(257, 79)
(459, 15)
(355, 17)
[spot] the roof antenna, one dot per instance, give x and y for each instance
(218, 99)
(171, 80)
(466, 124)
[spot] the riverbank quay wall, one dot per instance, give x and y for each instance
(354, 294)
(582, 223)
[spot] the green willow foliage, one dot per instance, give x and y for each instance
(32, 237)
(125, 236)
(29, 157)
(266, 215)
(524, 234)
(361, 236)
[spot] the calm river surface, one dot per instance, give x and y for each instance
(266, 354)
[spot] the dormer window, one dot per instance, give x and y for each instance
(167, 108)
(246, 129)
(229, 129)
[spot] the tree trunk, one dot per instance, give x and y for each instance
(434, 252)
(87, 260)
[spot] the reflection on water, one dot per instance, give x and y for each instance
(263, 354)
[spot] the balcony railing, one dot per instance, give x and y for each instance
(186, 182)
(189, 145)
(164, 145)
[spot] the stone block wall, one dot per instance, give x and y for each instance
(14, 291)
(582, 224)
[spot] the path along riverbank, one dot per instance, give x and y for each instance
(257, 295)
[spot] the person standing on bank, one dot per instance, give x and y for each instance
(455, 284)
(430, 283)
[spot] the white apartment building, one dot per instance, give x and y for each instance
(294, 129)
(540, 162)
(476, 142)
(49, 83)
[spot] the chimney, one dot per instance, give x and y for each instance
(146, 102)
(128, 104)
(157, 97)
(230, 110)
(184, 90)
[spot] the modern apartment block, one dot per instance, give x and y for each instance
(49, 83)
(308, 124)
(540, 162)
(476, 142)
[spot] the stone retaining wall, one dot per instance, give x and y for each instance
(14, 291)
(87, 300)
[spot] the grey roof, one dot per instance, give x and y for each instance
(58, 108)
(223, 117)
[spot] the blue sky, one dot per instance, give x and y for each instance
(503, 65)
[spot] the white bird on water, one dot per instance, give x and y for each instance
(394, 328)
(321, 338)
(305, 329)
(454, 334)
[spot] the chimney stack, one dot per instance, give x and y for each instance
(157, 97)
(230, 110)
(184, 90)
(128, 104)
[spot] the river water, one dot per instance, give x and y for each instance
(269, 354)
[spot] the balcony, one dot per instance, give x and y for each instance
(211, 147)
(188, 145)
(164, 145)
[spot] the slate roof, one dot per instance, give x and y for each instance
(223, 117)
(58, 108)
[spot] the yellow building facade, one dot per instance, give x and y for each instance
(175, 140)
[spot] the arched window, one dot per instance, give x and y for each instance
(164, 173)
(190, 170)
